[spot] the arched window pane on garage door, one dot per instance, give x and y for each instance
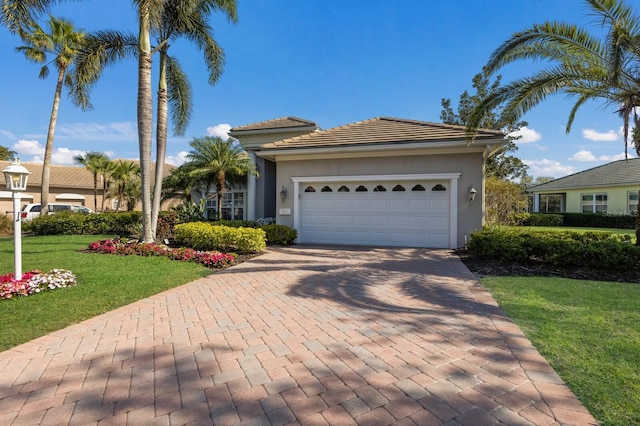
(343, 189)
(418, 187)
(309, 189)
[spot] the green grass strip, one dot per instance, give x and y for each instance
(589, 331)
(105, 282)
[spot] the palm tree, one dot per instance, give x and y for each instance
(62, 42)
(182, 18)
(17, 14)
(582, 66)
(223, 163)
(93, 161)
(179, 184)
(122, 174)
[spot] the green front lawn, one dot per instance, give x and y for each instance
(589, 331)
(105, 282)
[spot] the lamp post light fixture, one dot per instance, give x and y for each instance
(16, 176)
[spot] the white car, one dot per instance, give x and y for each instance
(30, 211)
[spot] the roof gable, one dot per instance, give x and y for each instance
(276, 123)
(381, 130)
(617, 173)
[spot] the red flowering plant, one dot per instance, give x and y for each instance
(126, 247)
(35, 282)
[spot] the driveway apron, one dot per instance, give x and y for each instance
(300, 335)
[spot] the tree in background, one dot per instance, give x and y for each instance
(222, 162)
(602, 66)
(501, 164)
(122, 174)
(93, 161)
(62, 42)
(503, 198)
(180, 183)
(6, 154)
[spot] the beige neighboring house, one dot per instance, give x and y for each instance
(68, 184)
(609, 188)
(383, 181)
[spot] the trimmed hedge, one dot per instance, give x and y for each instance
(599, 250)
(581, 220)
(207, 236)
(279, 235)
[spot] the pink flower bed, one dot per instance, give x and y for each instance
(126, 247)
(35, 282)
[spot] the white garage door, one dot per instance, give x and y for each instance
(410, 213)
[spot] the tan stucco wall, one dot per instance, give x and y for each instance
(470, 165)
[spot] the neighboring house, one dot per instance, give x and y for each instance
(382, 181)
(68, 184)
(611, 188)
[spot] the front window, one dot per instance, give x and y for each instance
(550, 203)
(232, 206)
(632, 202)
(594, 203)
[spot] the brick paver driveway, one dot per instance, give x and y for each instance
(302, 335)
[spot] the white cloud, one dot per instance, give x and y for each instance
(25, 147)
(546, 167)
(221, 130)
(593, 135)
(65, 155)
(126, 131)
(583, 155)
(35, 151)
(177, 160)
(7, 134)
(526, 134)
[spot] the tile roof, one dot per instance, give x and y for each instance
(617, 173)
(276, 123)
(61, 176)
(381, 130)
(65, 176)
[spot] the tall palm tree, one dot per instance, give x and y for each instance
(188, 19)
(92, 161)
(582, 65)
(62, 42)
(213, 160)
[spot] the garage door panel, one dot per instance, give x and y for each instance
(391, 218)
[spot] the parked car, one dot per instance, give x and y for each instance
(32, 210)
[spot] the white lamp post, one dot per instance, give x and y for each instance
(16, 176)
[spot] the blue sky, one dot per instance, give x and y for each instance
(333, 62)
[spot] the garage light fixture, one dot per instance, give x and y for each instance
(283, 193)
(472, 194)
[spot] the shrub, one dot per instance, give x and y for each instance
(207, 236)
(6, 224)
(189, 211)
(545, 219)
(65, 223)
(600, 250)
(279, 234)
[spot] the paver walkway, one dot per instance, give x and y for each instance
(300, 335)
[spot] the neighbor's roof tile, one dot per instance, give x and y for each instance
(617, 173)
(381, 130)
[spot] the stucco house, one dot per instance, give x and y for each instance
(612, 188)
(383, 181)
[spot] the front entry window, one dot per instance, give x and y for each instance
(232, 206)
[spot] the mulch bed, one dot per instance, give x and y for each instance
(484, 267)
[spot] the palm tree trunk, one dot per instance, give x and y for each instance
(145, 118)
(95, 191)
(48, 149)
(161, 141)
